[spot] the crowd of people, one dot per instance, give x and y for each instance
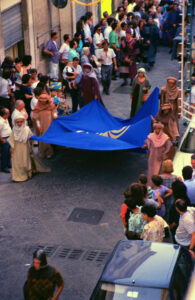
(162, 209)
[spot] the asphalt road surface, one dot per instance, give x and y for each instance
(72, 212)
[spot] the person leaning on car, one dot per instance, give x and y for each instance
(185, 233)
(189, 182)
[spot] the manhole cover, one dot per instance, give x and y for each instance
(88, 216)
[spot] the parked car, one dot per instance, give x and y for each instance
(145, 270)
(185, 150)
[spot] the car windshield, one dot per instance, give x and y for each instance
(188, 145)
(109, 291)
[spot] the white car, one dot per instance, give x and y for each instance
(185, 150)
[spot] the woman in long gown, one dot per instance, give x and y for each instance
(141, 86)
(158, 144)
(90, 86)
(43, 114)
(128, 51)
(171, 94)
(24, 162)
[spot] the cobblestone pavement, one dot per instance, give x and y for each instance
(41, 212)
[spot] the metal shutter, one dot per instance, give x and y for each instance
(12, 26)
(80, 11)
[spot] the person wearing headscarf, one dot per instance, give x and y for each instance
(167, 118)
(171, 94)
(128, 52)
(44, 113)
(158, 145)
(140, 87)
(24, 162)
(89, 84)
(42, 279)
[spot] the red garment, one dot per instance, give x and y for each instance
(90, 90)
(123, 213)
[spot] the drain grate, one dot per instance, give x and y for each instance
(49, 250)
(64, 252)
(88, 216)
(103, 256)
(75, 254)
(90, 255)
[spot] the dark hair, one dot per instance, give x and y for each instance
(44, 79)
(181, 204)
(72, 43)
(105, 42)
(33, 71)
(180, 191)
(121, 16)
(17, 60)
(38, 91)
(40, 255)
(148, 210)
(187, 172)
(66, 36)
(75, 59)
(79, 26)
(119, 7)
(123, 25)
(145, 190)
(6, 74)
(137, 193)
(157, 180)
(3, 111)
(110, 20)
(76, 36)
(88, 15)
(96, 27)
(25, 78)
(53, 33)
(27, 60)
(143, 178)
(131, 203)
(105, 14)
(114, 25)
(127, 193)
(193, 156)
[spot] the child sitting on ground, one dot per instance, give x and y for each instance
(160, 192)
(143, 180)
(126, 194)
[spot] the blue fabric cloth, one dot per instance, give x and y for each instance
(94, 128)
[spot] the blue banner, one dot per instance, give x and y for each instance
(94, 128)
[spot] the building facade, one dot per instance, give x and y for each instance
(25, 26)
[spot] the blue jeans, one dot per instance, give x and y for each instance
(5, 155)
(106, 72)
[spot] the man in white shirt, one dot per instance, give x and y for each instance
(107, 57)
(185, 233)
(5, 131)
(19, 109)
(98, 39)
(64, 50)
(87, 33)
(108, 29)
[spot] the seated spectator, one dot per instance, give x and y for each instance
(189, 183)
(135, 221)
(163, 191)
(144, 180)
(19, 109)
(154, 230)
(124, 207)
(185, 233)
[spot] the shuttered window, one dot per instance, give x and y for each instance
(12, 26)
